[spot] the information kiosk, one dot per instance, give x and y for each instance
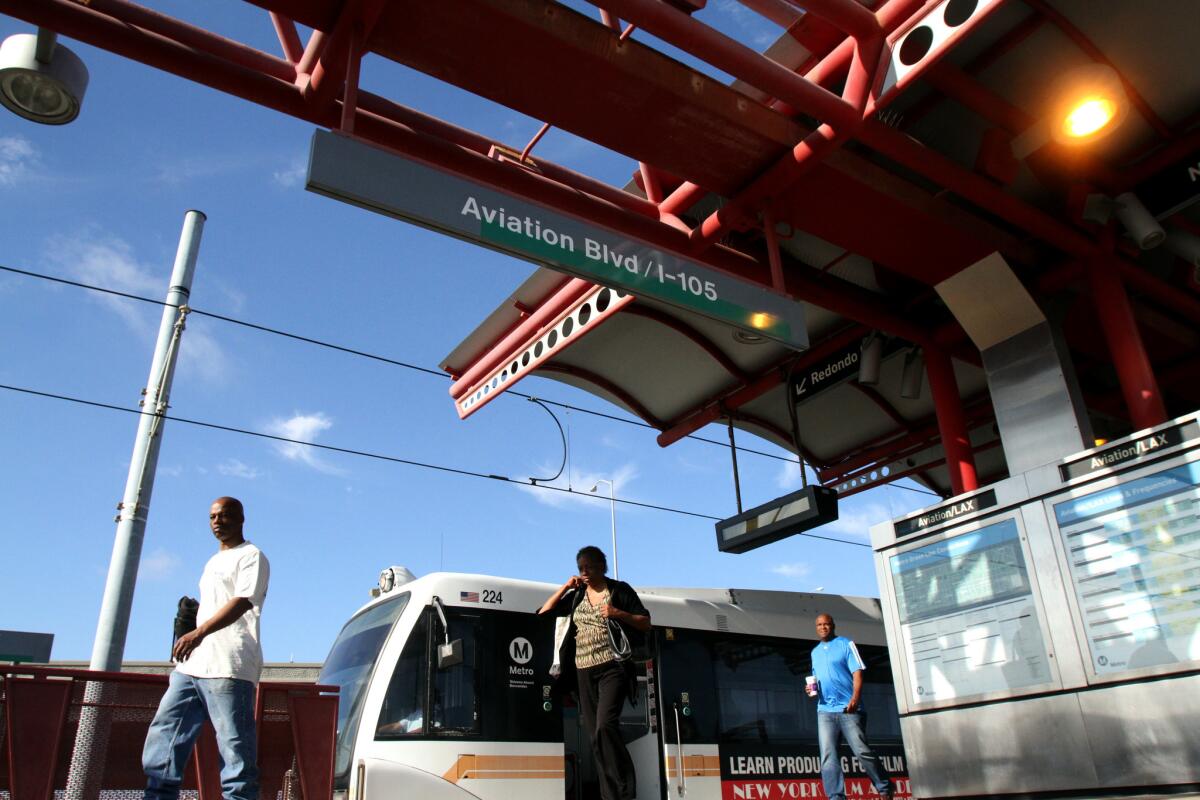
(1045, 631)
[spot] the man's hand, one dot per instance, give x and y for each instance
(185, 644)
(853, 705)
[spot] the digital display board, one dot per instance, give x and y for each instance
(968, 620)
(1133, 551)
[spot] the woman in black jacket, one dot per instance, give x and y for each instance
(591, 601)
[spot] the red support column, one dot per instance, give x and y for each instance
(1138, 384)
(952, 424)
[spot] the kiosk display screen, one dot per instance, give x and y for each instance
(967, 616)
(1134, 557)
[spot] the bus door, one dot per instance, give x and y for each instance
(640, 725)
(469, 701)
(738, 725)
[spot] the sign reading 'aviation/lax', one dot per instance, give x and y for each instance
(375, 179)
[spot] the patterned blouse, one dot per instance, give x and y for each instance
(591, 635)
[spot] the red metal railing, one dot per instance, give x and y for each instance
(42, 740)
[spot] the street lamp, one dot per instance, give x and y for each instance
(40, 79)
(612, 508)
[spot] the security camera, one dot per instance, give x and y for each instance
(1140, 223)
(870, 359)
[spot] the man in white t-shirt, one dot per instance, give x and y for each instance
(218, 666)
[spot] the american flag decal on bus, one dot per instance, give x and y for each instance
(468, 597)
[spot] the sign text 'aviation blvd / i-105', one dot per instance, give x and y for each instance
(375, 179)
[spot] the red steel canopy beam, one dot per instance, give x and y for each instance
(918, 436)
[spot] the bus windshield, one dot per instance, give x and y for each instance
(349, 667)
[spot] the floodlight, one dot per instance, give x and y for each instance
(870, 359)
(913, 375)
(1143, 228)
(41, 80)
(1089, 102)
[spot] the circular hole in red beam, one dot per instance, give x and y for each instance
(916, 45)
(959, 11)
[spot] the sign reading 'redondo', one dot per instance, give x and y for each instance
(375, 179)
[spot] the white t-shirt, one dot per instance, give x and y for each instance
(234, 651)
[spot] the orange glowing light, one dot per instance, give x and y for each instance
(1090, 103)
(1089, 116)
(761, 320)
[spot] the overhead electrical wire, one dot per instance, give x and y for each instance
(354, 352)
(377, 456)
(385, 360)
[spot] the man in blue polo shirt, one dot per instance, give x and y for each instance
(839, 672)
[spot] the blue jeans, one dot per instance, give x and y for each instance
(852, 727)
(226, 702)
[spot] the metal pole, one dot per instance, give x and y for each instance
(737, 481)
(612, 510)
(111, 630)
(90, 753)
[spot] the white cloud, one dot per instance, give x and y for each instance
(856, 521)
(159, 565)
(797, 569)
(176, 170)
(303, 428)
(233, 468)
(293, 174)
(108, 261)
(171, 472)
(788, 477)
(581, 481)
(18, 157)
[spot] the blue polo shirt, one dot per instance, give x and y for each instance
(834, 663)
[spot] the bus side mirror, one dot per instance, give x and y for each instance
(450, 654)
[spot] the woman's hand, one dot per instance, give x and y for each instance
(612, 612)
(573, 582)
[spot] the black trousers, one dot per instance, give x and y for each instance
(602, 694)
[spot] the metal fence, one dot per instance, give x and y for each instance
(71, 734)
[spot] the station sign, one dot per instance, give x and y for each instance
(838, 366)
(960, 507)
(785, 516)
(1130, 451)
(385, 182)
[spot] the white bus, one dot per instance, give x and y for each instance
(445, 694)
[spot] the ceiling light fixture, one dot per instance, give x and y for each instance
(1086, 104)
(1089, 102)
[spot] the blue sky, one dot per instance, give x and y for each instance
(102, 201)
